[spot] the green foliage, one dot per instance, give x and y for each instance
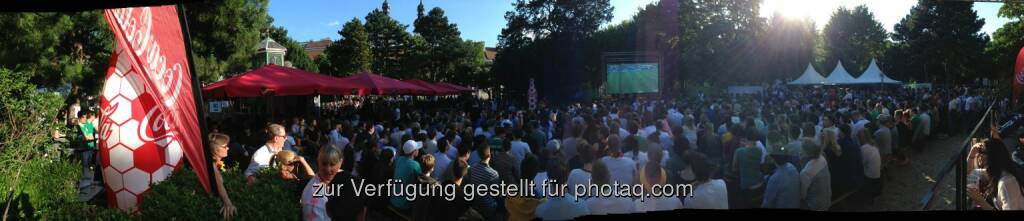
(787, 47)
(351, 53)
(939, 40)
(181, 197)
(437, 48)
(854, 37)
(40, 184)
(389, 42)
(1008, 40)
(57, 48)
(225, 35)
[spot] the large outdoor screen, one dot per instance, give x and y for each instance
(632, 78)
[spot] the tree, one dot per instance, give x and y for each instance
(554, 28)
(718, 39)
(440, 40)
(853, 37)
(1008, 40)
(351, 53)
(295, 54)
(225, 35)
(55, 49)
(941, 41)
(389, 41)
(787, 46)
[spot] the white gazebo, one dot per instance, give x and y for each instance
(809, 77)
(874, 75)
(839, 76)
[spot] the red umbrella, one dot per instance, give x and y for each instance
(434, 88)
(455, 87)
(277, 81)
(367, 82)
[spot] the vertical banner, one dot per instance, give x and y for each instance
(148, 119)
(532, 93)
(1018, 76)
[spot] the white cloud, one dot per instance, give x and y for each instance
(334, 23)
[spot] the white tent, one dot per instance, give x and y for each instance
(874, 75)
(809, 77)
(839, 76)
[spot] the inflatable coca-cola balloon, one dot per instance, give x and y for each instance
(136, 147)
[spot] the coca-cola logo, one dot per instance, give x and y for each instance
(167, 78)
(155, 127)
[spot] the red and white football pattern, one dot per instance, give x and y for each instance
(136, 149)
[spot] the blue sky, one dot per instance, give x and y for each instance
(482, 20)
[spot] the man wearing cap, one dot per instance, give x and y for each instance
(783, 190)
(406, 171)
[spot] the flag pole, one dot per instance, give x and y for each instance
(197, 95)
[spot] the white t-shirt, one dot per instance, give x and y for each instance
(620, 169)
(538, 181)
(260, 160)
(610, 205)
(710, 195)
(519, 151)
(1009, 196)
(578, 177)
(441, 163)
(872, 161)
(313, 208)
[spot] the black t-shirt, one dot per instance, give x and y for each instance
(344, 204)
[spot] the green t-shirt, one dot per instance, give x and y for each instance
(749, 163)
(88, 130)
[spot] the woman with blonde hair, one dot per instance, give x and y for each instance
(290, 164)
(219, 148)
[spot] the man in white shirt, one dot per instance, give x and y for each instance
(622, 169)
(519, 148)
(335, 135)
(261, 159)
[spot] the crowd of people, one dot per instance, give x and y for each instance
(783, 148)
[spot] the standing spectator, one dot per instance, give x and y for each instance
(622, 170)
(443, 161)
(872, 167)
(521, 208)
(815, 179)
(581, 176)
(504, 162)
(652, 174)
(519, 148)
(406, 171)
(261, 159)
(883, 138)
(708, 193)
(425, 207)
(601, 205)
(560, 205)
(482, 174)
(747, 164)
(88, 149)
(783, 190)
(314, 207)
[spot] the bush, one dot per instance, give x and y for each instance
(181, 197)
(37, 184)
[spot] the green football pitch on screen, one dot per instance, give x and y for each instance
(632, 78)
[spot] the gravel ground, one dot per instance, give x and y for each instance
(906, 186)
